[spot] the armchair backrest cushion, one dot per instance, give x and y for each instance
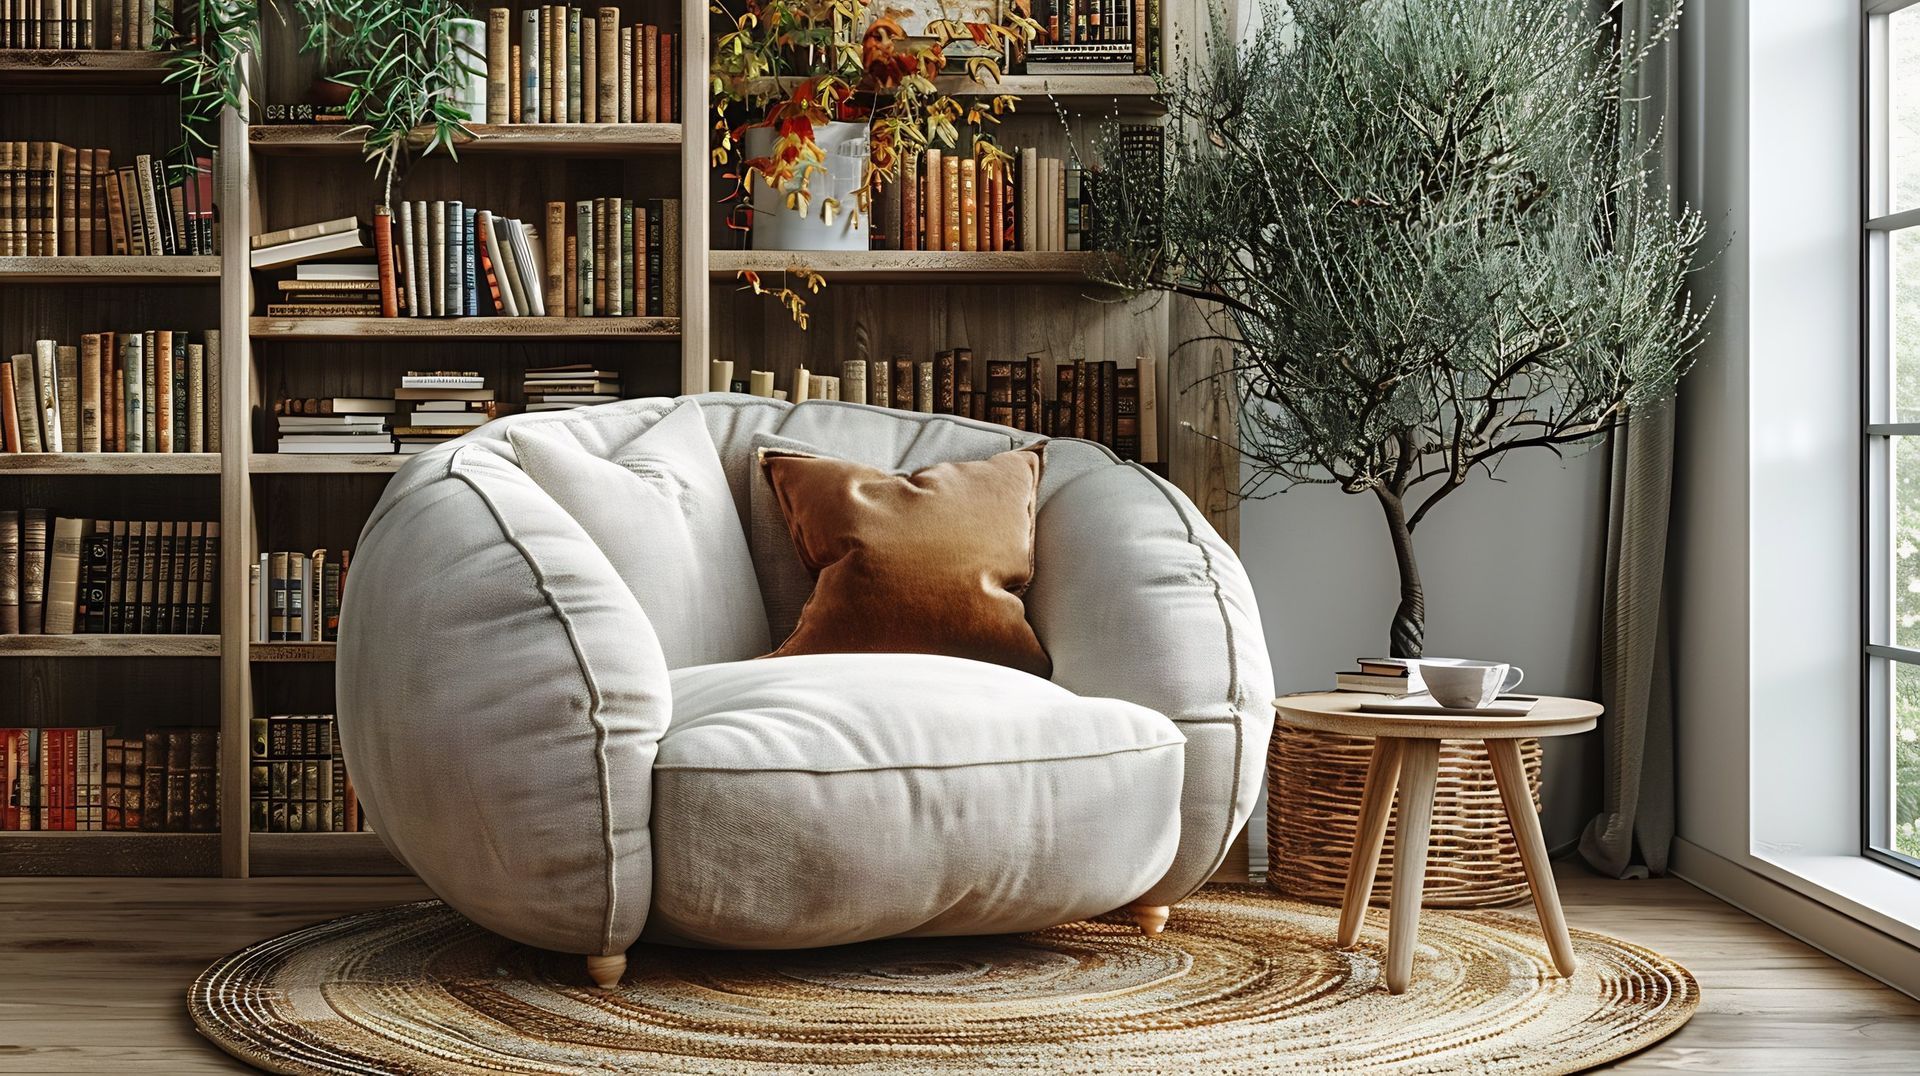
(660, 508)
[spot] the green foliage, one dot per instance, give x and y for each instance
(1432, 226)
(398, 59)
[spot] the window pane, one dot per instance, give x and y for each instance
(1903, 280)
(1904, 543)
(1903, 108)
(1904, 753)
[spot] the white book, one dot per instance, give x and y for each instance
(448, 418)
(585, 373)
(413, 449)
(531, 271)
(339, 270)
(442, 381)
(333, 422)
(553, 406)
(371, 437)
(1029, 179)
(419, 280)
(577, 399)
(285, 254)
(381, 447)
(503, 270)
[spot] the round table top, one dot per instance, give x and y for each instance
(1339, 712)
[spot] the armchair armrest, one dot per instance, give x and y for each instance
(501, 697)
(1135, 597)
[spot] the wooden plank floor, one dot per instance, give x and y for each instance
(93, 973)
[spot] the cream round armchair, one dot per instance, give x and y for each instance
(571, 744)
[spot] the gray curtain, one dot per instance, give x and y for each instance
(1634, 830)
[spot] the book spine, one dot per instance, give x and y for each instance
(530, 95)
(95, 552)
(153, 780)
(161, 367)
(9, 571)
(178, 784)
(26, 404)
(88, 377)
(497, 63)
(943, 383)
(33, 570)
(196, 398)
(136, 381)
(670, 257)
(656, 258)
(582, 259)
(383, 246)
(83, 196)
(969, 205)
(574, 70)
(557, 266)
(625, 36)
(469, 275)
(600, 259)
(67, 384)
(46, 394)
(628, 291)
(67, 164)
(650, 69)
(212, 345)
(62, 592)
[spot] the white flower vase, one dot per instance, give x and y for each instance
(775, 227)
(470, 93)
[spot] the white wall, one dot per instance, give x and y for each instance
(1512, 570)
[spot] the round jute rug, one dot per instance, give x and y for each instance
(1241, 982)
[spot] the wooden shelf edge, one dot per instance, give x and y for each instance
(109, 463)
(1135, 92)
(555, 139)
(879, 266)
(110, 853)
(319, 463)
(111, 269)
(312, 854)
(500, 328)
(69, 70)
(109, 646)
(312, 652)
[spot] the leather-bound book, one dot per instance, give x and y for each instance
(903, 382)
(923, 387)
(210, 577)
(153, 780)
(933, 214)
(669, 97)
(657, 268)
(203, 785)
(96, 551)
(178, 779)
(383, 257)
(1000, 391)
(1022, 394)
(950, 201)
(1037, 393)
(853, 380)
(963, 381)
(9, 571)
(943, 383)
(1082, 393)
(557, 261)
(1109, 389)
(1126, 414)
(969, 205)
(650, 68)
(909, 200)
(33, 570)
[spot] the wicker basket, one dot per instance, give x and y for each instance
(1314, 784)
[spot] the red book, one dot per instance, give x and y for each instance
(9, 418)
(666, 75)
(9, 774)
(383, 256)
(483, 257)
(63, 776)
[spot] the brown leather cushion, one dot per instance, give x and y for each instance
(929, 563)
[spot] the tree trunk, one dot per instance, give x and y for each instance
(1410, 616)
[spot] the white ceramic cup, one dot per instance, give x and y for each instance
(1469, 684)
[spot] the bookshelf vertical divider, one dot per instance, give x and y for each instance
(695, 198)
(235, 196)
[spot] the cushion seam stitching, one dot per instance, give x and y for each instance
(594, 716)
(1142, 748)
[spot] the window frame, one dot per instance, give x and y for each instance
(1879, 655)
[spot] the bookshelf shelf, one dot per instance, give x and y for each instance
(83, 70)
(321, 853)
(291, 651)
(109, 463)
(114, 853)
(109, 646)
(464, 328)
(533, 139)
(1127, 93)
(111, 269)
(296, 463)
(913, 266)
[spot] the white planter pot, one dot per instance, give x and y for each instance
(775, 227)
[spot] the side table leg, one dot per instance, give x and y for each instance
(1419, 765)
(1383, 771)
(1511, 775)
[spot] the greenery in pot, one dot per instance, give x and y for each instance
(794, 66)
(1431, 228)
(398, 60)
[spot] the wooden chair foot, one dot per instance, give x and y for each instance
(605, 971)
(1150, 918)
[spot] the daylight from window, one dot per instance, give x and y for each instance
(1900, 746)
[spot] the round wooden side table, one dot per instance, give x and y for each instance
(1406, 752)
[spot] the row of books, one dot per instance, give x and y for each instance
(1096, 400)
(297, 780)
(67, 576)
(152, 391)
(57, 199)
(1094, 37)
(84, 780)
(564, 388)
(949, 201)
(572, 66)
(82, 24)
(440, 405)
(295, 596)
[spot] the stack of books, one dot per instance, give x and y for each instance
(291, 246)
(298, 779)
(563, 388)
(155, 391)
(349, 425)
(83, 780)
(329, 289)
(57, 199)
(295, 596)
(444, 403)
(1382, 676)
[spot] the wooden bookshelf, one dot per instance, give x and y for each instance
(912, 266)
(109, 646)
(279, 463)
(520, 139)
(83, 71)
(110, 269)
(1078, 93)
(291, 651)
(127, 464)
(499, 328)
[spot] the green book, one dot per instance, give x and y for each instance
(583, 257)
(626, 261)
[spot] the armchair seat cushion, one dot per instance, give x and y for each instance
(832, 798)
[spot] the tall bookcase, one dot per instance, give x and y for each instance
(271, 177)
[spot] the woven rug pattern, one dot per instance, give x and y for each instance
(1241, 982)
